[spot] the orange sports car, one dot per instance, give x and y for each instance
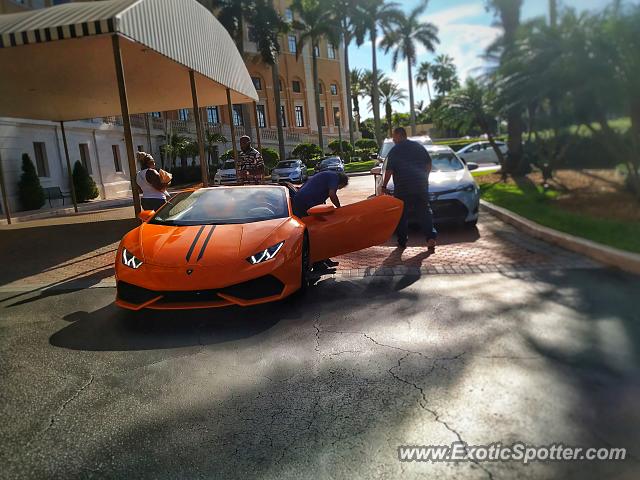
(239, 245)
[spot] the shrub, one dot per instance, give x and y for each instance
(29, 189)
(334, 146)
(366, 143)
(365, 153)
(228, 155)
(306, 151)
(86, 188)
(270, 157)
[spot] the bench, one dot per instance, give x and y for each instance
(54, 193)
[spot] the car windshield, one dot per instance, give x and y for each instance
(219, 206)
(445, 162)
(384, 151)
(229, 165)
(287, 164)
(330, 161)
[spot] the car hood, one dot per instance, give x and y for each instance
(444, 181)
(206, 245)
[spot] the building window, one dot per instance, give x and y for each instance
(284, 117)
(288, 15)
(183, 114)
(331, 51)
(316, 51)
(336, 112)
(42, 164)
(320, 89)
(322, 119)
(252, 34)
(334, 89)
(156, 114)
(213, 115)
(299, 116)
(257, 83)
(262, 118)
(293, 47)
(117, 163)
(238, 119)
(84, 157)
(296, 86)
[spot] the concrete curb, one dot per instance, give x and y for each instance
(627, 261)
(358, 174)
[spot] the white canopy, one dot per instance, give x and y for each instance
(57, 63)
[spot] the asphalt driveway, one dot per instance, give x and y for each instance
(327, 386)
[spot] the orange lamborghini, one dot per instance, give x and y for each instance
(238, 245)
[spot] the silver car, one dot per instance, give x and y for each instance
(290, 171)
(453, 193)
(227, 174)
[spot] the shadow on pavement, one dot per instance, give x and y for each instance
(31, 251)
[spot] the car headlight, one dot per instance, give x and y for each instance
(470, 187)
(266, 254)
(129, 260)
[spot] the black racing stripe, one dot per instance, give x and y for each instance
(206, 241)
(195, 240)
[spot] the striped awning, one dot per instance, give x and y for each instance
(57, 63)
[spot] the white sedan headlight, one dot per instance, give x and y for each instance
(266, 254)
(129, 260)
(470, 187)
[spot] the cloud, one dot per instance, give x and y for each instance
(452, 15)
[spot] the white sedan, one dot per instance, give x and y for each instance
(481, 152)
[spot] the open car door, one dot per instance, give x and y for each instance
(352, 227)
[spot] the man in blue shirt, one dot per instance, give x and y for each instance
(317, 190)
(409, 163)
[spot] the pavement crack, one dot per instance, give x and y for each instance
(423, 402)
(317, 338)
(64, 404)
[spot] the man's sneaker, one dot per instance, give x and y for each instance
(330, 263)
(431, 244)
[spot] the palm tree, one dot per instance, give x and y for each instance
(346, 11)
(316, 20)
(508, 13)
(390, 93)
(444, 74)
(358, 89)
(372, 14)
(233, 14)
(406, 33)
(424, 70)
(268, 26)
(469, 107)
(211, 138)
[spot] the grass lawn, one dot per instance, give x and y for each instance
(532, 203)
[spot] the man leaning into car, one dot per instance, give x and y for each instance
(409, 163)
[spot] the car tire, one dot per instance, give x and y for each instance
(471, 224)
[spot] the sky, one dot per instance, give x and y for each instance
(465, 28)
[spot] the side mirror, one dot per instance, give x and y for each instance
(146, 215)
(321, 210)
(472, 166)
(373, 156)
(463, 160)
(376, 170)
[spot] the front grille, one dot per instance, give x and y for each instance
(449, 209)
(266, 286)
(133, 294)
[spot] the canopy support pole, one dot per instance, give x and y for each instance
(255, 113)
(126, 121)
(5, 202)
(74, 199)
(233, 127)
(148, 128)
(204, 163)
